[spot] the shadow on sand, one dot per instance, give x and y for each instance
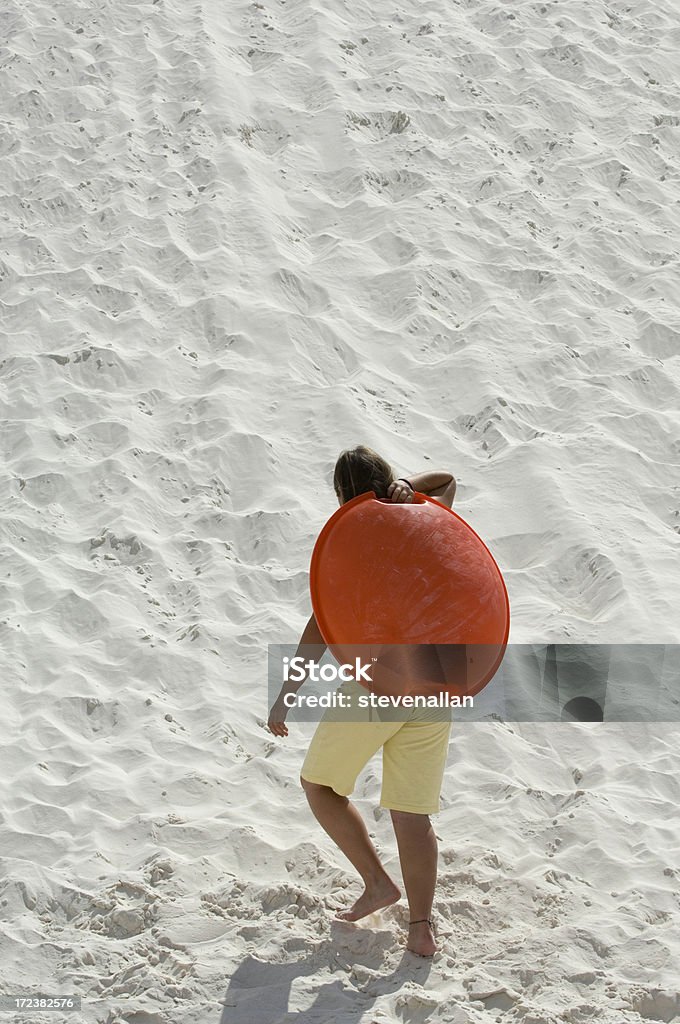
(259, 991)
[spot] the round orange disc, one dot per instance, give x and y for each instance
(416, 583)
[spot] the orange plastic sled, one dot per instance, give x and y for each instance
(416, 588)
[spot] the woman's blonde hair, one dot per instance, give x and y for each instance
(359, 470)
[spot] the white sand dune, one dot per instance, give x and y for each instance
(237, 239)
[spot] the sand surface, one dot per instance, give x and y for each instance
(236, 239)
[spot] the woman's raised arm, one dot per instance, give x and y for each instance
(436, 483)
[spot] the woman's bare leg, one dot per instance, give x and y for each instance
(346, 827)
(418, 857)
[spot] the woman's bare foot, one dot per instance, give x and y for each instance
(375, 896)
(421, 939)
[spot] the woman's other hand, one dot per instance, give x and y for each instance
(399, 491)
(277, 718)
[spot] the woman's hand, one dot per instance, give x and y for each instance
(277, 718)
(311, 648)
(399, 491)
(436, 483)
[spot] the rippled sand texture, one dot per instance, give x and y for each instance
(237, 238)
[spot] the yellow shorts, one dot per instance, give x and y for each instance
(414, 754)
